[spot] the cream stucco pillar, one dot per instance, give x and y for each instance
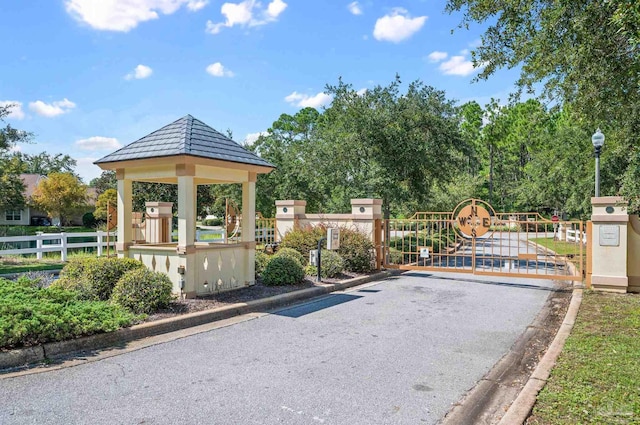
(125, 206)
(249, 227)
(186, 213)
(609, 244)
(288, 214)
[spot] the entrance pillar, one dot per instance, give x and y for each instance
(609, 244)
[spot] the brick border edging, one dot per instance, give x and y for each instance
(54, 350)
(521, 407)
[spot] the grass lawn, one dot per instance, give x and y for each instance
(28, 264)
(597, 377)
(560, 247)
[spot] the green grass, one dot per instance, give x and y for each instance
(23, 264)
(597, 378)
(560, 247)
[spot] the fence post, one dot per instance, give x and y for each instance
(39, 245)
(99, 239)
(63, 246)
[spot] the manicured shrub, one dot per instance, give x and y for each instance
(94, 278)
(142, 291)
(282, 271)
(31, 315)
(332, 265)
(212, 222)
(357, 251)
(89, 220)
(291, 253)
(304, 240)
(262, 259)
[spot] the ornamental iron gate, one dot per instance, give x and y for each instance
(475, 239)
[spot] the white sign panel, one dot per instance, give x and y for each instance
(424, 252)
(610, 235)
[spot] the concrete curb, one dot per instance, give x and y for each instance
(522, 405)
(55, 350)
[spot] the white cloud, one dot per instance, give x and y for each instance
(124, 15)
(195, 5)
(52, 109)
(355, 8)
(306, 101)
(457, 65)
(362, 91)
(437, 56)
(397, 26)
(140, 72)
(252, 137)
(218, 70)
(15, 111)
(98, 143)
(275, 8)
(247, 13)
(86, 168)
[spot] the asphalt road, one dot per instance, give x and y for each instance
(397, 352)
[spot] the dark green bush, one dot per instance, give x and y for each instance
(262, 259)
(357, 251)
(142, 291)
(212, 222)
(304, 240)
(292, 253)
(30, 315)
(94, 278)
(282, 271)
(89, 220)
(332, 265)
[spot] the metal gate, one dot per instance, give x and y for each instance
(475, 239)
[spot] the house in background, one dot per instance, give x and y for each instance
(27, 215)
(30, 216)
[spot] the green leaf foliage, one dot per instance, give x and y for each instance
(304, 239)
(30, 315)
(332, 265)
(356, 250)
(293, 254)
(282, 271)
(142, 291)
(262, 259)
(95, 278)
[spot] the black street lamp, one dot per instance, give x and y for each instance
(598, 141)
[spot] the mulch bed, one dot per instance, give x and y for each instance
(255, 292)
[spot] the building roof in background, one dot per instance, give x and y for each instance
(30, 183)
(186, 136)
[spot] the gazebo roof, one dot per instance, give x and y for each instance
(186, 136)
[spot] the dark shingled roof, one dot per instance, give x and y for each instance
(186, 136)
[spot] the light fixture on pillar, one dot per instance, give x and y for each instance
(598, 141)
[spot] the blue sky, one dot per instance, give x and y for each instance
(89, 76)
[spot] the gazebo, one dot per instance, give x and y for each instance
(189, 153)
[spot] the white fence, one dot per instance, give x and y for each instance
(55, 242)
(576, 236)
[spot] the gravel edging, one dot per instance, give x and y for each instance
(521, 408)
(23, 357)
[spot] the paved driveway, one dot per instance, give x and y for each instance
(397, 352)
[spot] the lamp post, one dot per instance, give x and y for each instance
(598, 141)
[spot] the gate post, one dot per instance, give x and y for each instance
(377, 242)
(609, 242)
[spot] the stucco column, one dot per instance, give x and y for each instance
(125, 206)
(288, 215)
(249, 227)
(609, 244)
(186, 214)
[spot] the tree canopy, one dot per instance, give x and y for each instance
(60, 195)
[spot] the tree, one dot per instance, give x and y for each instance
(11, 185)
(45, 164)
(391, 145)
(60, 195)
(106, 180)
(586, 55)
(109, 196)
